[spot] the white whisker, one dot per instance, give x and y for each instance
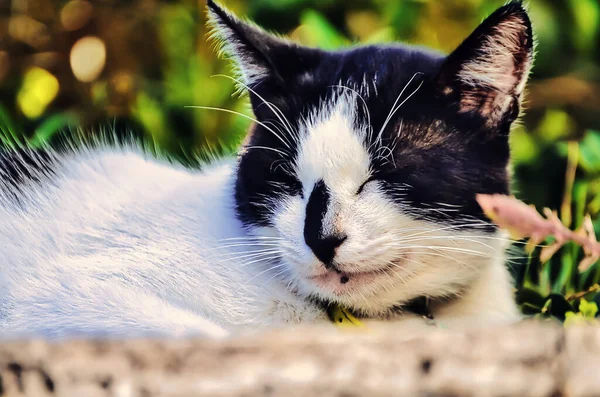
(266, 271)
(393, 109)
(271, 106)
(246, 117)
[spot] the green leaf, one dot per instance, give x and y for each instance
(594, 205)
(319, 32)
(586, 14)
(580, 193)
(9, 135)
(383, 35)
(568, 264)
(589, 152)
(149, 112)
(572, 318)
(555, 125)
(588, 309)
(524, 148)
(50, 127)
(558, 306)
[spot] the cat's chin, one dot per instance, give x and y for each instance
(340, 284)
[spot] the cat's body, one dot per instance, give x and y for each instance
(93, 253)
(105, 261)
(357, 186)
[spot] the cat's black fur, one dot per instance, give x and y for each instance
(471, 153)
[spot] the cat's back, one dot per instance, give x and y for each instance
(110, 229)
(111, 189)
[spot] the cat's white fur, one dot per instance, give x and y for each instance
(120, 244)
(126, 245)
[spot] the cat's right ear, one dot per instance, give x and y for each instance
(486, 74)
(258, 55)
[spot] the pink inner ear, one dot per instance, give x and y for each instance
(489, 103)
(501, 60)
(497, 74)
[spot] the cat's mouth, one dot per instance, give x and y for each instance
(340, 282)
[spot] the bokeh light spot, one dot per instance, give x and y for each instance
(39, 88)
(88, 57)
(75, 14)
(27, 30)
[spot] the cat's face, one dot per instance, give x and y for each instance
(364, 164)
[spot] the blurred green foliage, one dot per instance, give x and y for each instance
(154, 61)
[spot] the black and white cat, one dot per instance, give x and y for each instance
(356, 186)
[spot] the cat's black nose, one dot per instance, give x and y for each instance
(324, 248)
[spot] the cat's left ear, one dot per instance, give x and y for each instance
(258, 55)
(487, 73)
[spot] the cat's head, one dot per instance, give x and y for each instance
(362, 169)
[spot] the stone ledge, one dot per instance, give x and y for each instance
(529, 359)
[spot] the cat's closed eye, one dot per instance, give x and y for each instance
(365, 183)
(295, 187)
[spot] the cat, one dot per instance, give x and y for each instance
(356, 186)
